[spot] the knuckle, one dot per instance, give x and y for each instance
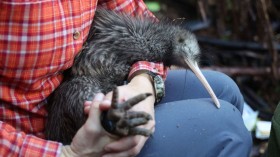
(152, 123)
(134, 142)
(134, 151)
(95, 103)
(92, 129)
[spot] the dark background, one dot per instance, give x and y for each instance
(240, 38)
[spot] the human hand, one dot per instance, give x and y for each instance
(91, 137)
(132, 145)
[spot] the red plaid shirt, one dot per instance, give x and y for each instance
(38, 40)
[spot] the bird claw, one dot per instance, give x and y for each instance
(118, 120)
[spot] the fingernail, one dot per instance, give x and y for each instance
(87, 108)
(88, 103)
(106, 102)
(98, 97)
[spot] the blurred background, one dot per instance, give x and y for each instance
(242, 39)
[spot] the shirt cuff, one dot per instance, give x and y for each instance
(33, 146)
(157, 68)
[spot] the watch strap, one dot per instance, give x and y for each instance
(159, 86)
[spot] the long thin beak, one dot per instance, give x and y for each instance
(194, 67)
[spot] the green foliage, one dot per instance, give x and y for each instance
(153, 6)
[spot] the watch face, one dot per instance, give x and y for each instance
(159, 87)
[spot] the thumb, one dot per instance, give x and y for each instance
(94, 111)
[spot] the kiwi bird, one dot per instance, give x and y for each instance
(114, 43)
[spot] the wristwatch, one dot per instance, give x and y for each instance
(158, 83)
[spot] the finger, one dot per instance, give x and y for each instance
(105, 105)
(107, 102)
(124, 144)
(92, 125)
(94, 111)
(87, 105)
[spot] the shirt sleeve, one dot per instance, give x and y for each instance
(157, 68)
(15, 143)
(38, 40)
(132, 7)
(139, 8)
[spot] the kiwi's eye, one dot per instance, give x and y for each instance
(180, 40)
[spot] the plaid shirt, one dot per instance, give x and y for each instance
(38, 40)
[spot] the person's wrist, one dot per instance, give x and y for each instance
(143, 82)
(156, 80)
